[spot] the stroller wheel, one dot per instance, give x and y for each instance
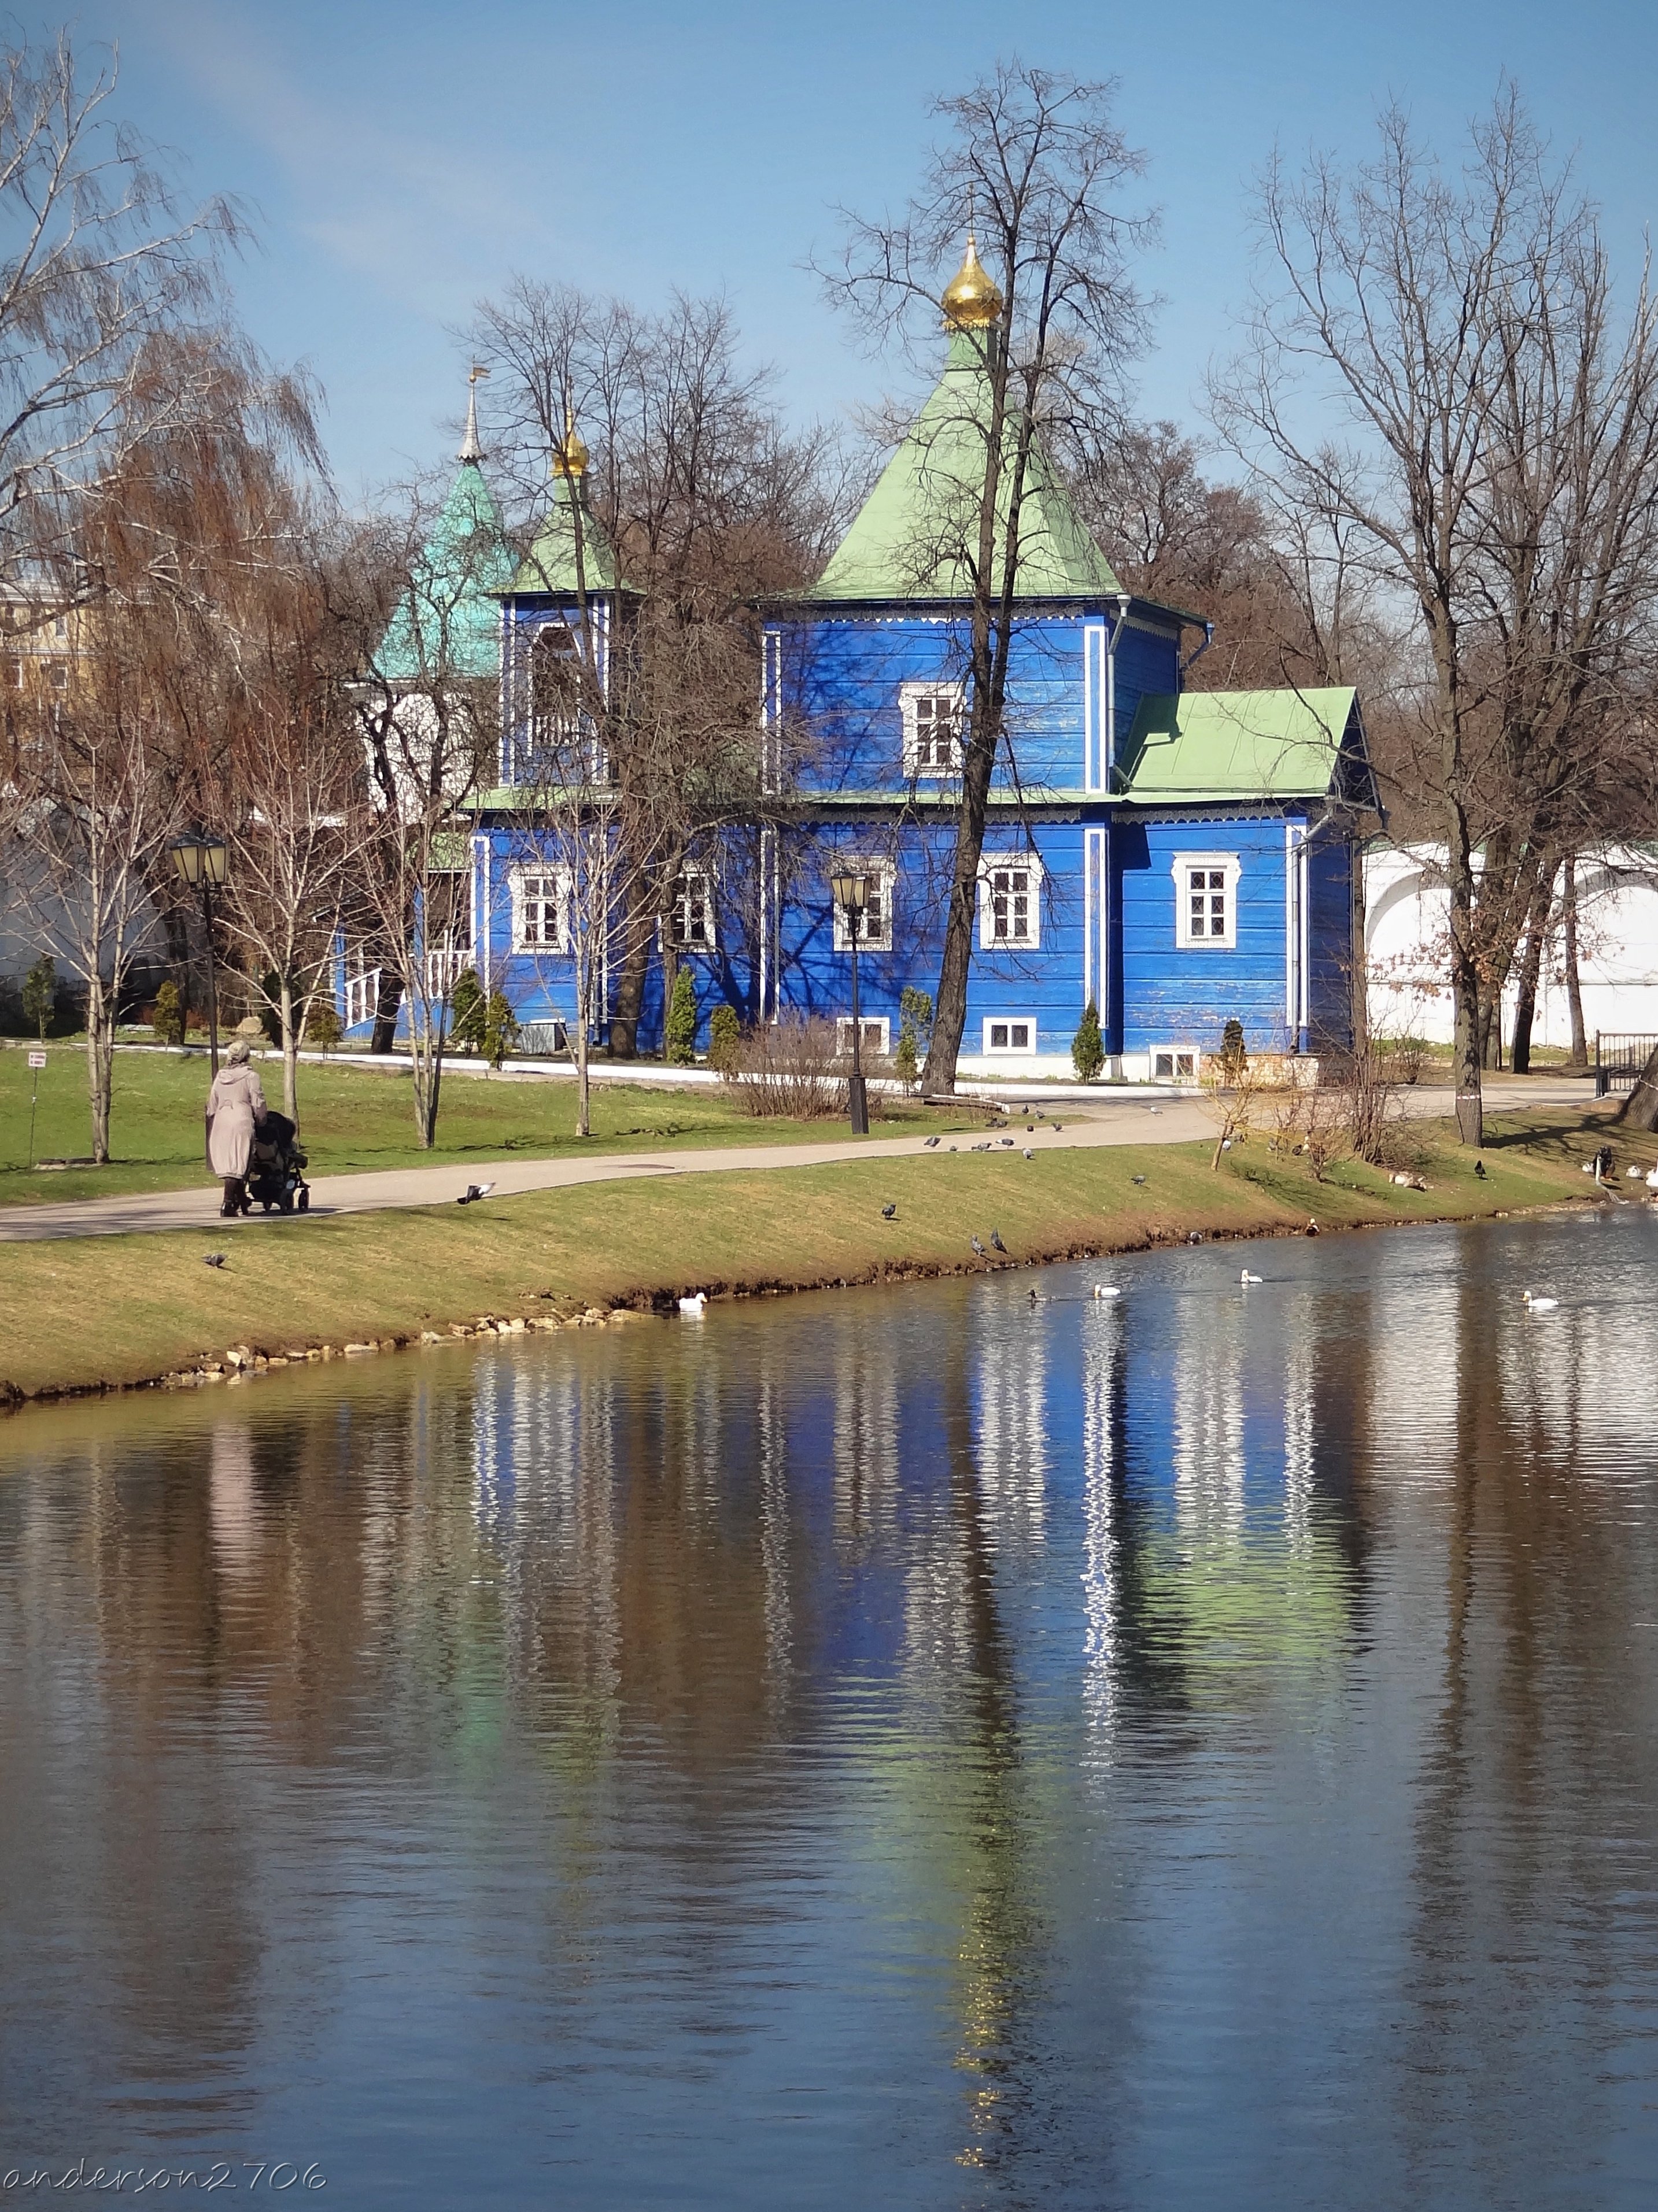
(304, 1201)
(285, 1203)
(267, 1203)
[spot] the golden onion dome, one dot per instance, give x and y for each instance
(570, 455)
(972, 300)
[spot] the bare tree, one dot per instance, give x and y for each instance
(101, 261)
(1035, 161)
(98, 810)
(1497, 476)
(705, 504)
(429, 736)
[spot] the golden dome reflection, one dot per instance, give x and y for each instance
(972, 300)
(570, 455)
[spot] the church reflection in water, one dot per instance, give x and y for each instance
(916, 1602)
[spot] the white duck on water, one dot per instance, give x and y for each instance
(1247, 1278)
(1537, 1304)
(694, 1306)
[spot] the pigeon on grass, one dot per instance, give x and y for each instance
(212, 1259)
(474, 1192)
(979, 1249)
(996, 1245)
(929, 1143)
(888, 1213)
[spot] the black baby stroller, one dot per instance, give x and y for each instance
(276, 1168)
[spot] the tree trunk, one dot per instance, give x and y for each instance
(290, 1052)
(100, 1063)
(950, 1014)
(1580, 1043)
(636, 964)
(1465, 1002)
(583, 1123)
(1531, 971)
(385, 1011)
(1639, 1109)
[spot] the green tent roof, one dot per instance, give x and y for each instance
(916, 533)
(1243, 745)
(448, 623)
(551, 566)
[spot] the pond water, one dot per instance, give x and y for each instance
(907, 1747)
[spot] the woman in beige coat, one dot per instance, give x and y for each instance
(235, 1108)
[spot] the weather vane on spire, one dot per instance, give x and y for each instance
(469, 448)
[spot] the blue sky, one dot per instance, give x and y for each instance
(401, 161)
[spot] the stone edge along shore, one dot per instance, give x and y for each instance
(241, 1362)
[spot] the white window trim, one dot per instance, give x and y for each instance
(1232, 865)
(1175, 1054)
(705, 875)
(558, 872)
(1016, 1051)
(908, 696)
(886, 872)
(988, 942)
(866, 1022)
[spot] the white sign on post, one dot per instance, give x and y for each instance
(37, 1060)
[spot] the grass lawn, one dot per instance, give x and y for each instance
(358, 1119)
(124, 1309)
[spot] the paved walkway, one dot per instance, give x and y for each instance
(1176, 1121)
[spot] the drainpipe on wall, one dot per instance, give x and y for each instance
(1115, 631)
(1192, 660)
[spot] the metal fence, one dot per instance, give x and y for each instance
(1619, 1056)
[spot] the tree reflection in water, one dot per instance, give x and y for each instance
(1193, 1749)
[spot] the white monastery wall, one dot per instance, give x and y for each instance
(1406, 926)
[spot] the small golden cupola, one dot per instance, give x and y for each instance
(972, 300)
(570, 455)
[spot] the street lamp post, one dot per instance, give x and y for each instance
(852, 896)
(203, 862)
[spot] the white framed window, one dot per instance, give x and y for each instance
(934, 714)
(690, 917)
(875, 923)
(1010, 902)
(540, 909)
(875, 1034)
(1010, 1033)
(1206, 900)
(1175, 1064)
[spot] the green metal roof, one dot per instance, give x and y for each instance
(916, 532)
(448, 623)
(1239, 745)
(551, 565)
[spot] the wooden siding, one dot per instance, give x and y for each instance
(1169, 994)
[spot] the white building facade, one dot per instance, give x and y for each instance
(1406, 925)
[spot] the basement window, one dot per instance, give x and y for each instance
(1009, 1033)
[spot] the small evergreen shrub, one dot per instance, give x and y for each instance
(166, 1016)
(679, 1038)
(466, 1008)
(1087, 1047)
(915, 1029)
(323, 1028)
(724, 1039)
(500, 1028)
(1234, 1060)
(41, 994)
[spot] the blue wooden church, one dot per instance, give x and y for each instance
(1180, 858)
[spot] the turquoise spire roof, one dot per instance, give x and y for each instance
(550, 564)
(918, 531)
(448, 623)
